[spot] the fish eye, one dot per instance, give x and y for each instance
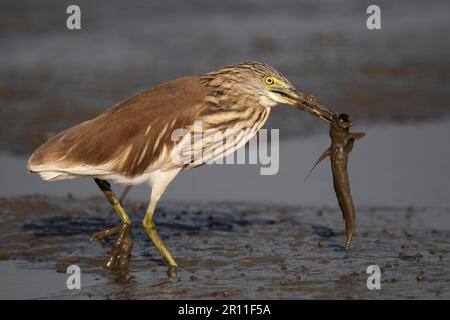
(269, 80)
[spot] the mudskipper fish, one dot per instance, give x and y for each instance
(342, 141)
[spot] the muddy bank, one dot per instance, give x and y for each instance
(231, 250)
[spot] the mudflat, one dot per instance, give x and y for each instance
(225, 250)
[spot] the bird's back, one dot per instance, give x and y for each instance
(125, 139)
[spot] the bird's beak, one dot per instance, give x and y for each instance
(307, 103)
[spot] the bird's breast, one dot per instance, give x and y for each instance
(218, 134)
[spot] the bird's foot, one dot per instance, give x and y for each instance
(172, 271)
(102, 235)
(121, 249)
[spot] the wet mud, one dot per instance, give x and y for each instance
(232, 250)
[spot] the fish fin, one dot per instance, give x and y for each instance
(349, 146)
(325, 154)
(357, 135)
(353, 137)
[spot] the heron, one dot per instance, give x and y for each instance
(131, 143)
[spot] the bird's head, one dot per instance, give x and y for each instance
(258, 82)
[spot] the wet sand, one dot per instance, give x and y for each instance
(227, 250)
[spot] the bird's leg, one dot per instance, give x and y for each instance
(124, 194)
(149, 226)
(124, 243)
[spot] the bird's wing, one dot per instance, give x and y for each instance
(129, 137)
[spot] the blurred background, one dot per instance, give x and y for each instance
(394, 82)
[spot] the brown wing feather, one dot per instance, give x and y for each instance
(118, 136)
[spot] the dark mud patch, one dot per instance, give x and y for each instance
(226, 251)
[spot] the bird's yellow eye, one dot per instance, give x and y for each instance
(269, 80)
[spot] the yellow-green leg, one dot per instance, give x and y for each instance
(124, 243)
(106, 188)
(158, 188)
(150, 228)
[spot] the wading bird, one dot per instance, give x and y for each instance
(131, 143)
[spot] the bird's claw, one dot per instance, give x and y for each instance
(102, 235)
(121, 249)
